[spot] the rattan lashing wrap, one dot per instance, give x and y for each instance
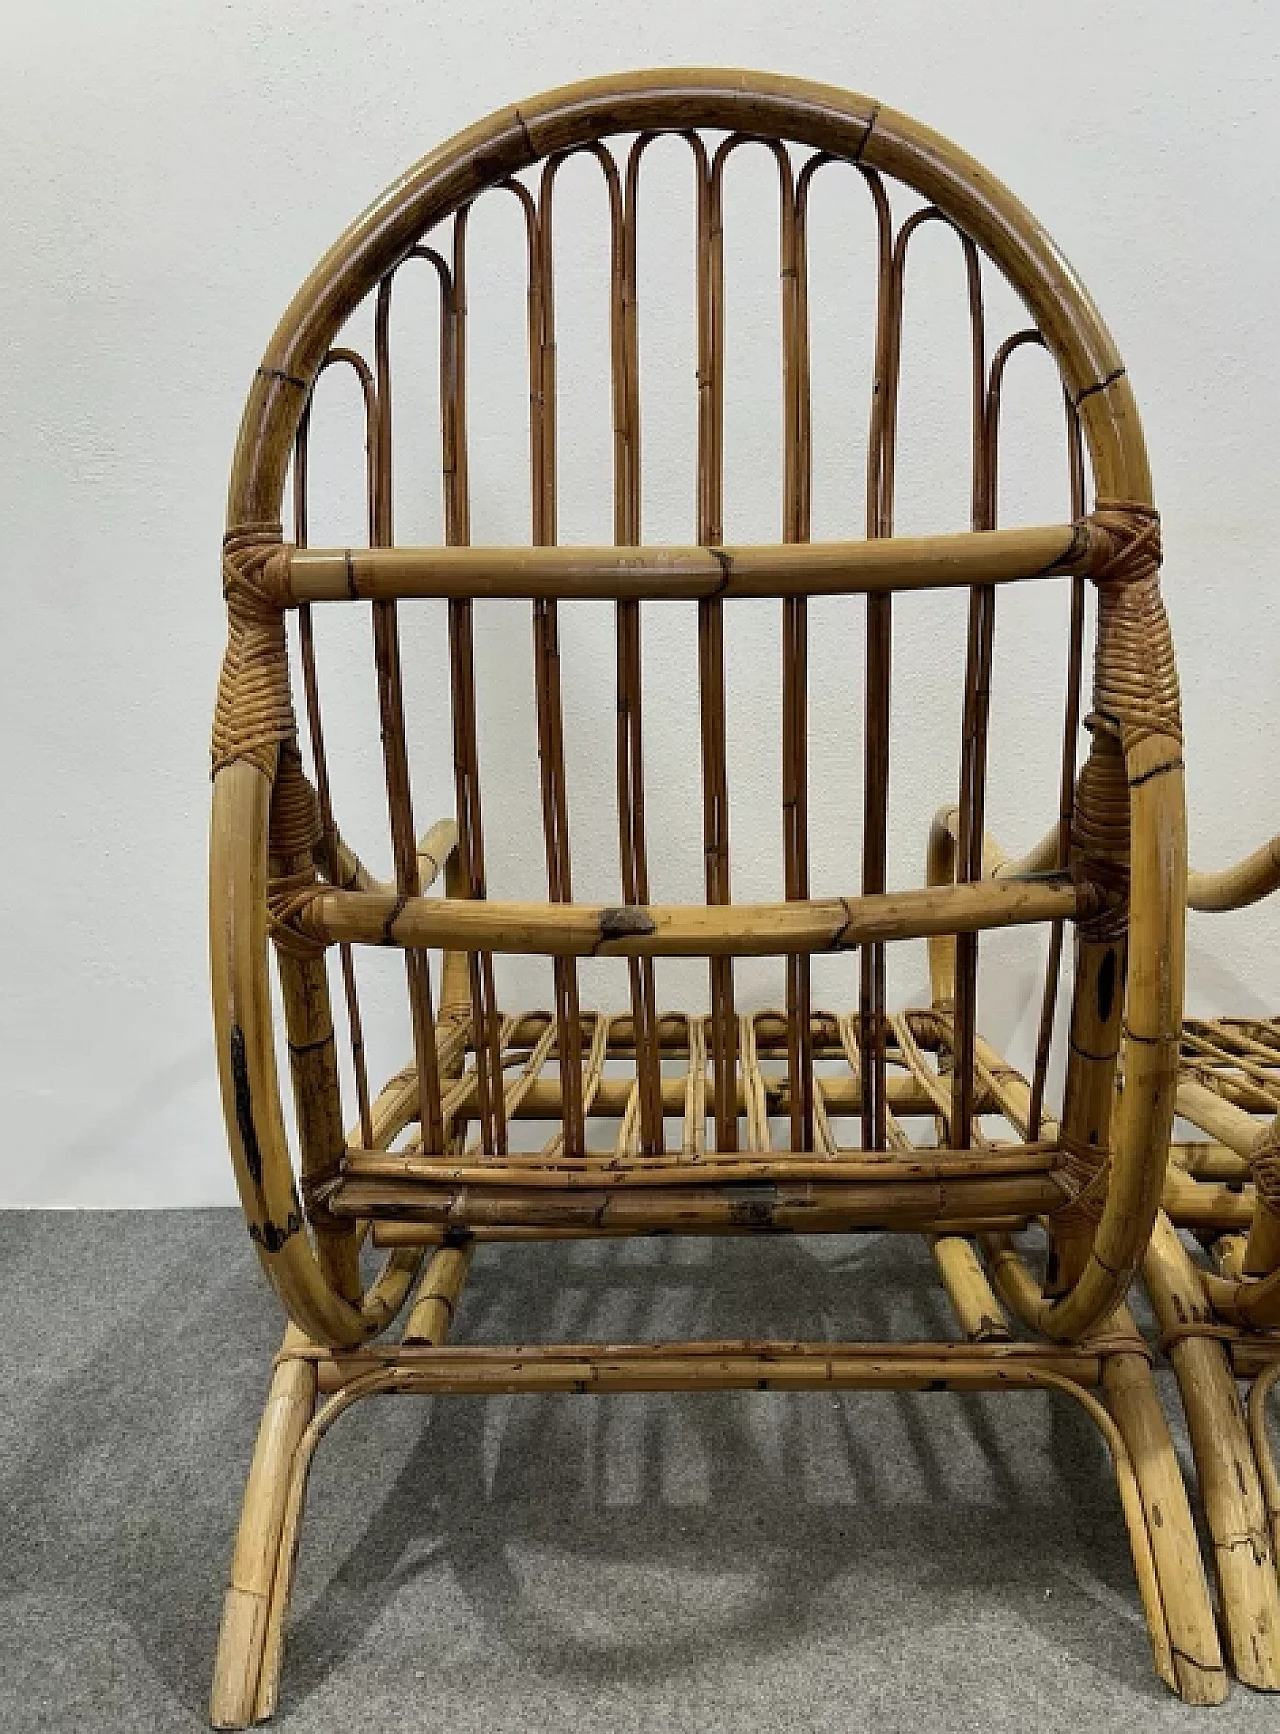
(1100, 832)
(1135, 696)
(1087, 1171)
(1135, 680)
(254, 719)
(254, 712)
(1264, 1167)
(295, 830)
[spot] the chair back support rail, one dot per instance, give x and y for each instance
(284, 878)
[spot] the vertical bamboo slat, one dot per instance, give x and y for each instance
(879, 669)
(711, 681)
(395, 753)
(632, 843)
(796, 527)
(311, 691)
(977, 707)
(546, 636)
(1066, 787)
(462, 686)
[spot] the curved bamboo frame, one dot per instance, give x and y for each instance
(316, 1273)
(876, 138)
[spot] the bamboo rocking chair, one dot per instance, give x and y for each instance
(433, 1167)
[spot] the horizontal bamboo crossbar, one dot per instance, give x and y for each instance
(653, 573)
(1230, 1125)
(691, 930)
(845, 1166)
(1206, 1204)
(390, 1234)
(612, 1097)
(729, 1366)
(671, 1033)
(920, 1206)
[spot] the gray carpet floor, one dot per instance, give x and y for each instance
(709, 1562)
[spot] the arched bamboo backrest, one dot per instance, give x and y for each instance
(1128, 825)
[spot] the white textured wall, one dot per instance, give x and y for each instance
(170, 173)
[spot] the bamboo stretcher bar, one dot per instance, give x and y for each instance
(923, 1206)
(656, 573)
(612, 1098)
(692, 930)
(604, 1169)
(750, 1366)
(1206, 1203)
(1209, 1161)
(1247, 1094)
(673, 1032)
(392, 1234)
(1222, 1120)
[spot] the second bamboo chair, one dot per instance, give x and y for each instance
(433, 1168)
(1215, 1285)
(1212, 1270)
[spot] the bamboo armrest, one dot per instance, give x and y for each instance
(1236, 887)
(997, 863)
(1246, 882)
(941, 869)
(434, 848)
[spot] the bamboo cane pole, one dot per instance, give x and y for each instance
(977, 1310)
(242, 1639)
(1236, 887)
(657, 573)
(391, 1233)
(693, 930)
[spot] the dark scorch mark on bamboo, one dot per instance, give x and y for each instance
(1107, 985)
(244, 1105)
(622, 922)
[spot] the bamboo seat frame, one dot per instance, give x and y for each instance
(411, 1177)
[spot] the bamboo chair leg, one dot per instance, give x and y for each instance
(1161, 1529)
(1230, 1490)
(429, 1320)
(242, 1638)
(1263, 1454)
(1130, 1391)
